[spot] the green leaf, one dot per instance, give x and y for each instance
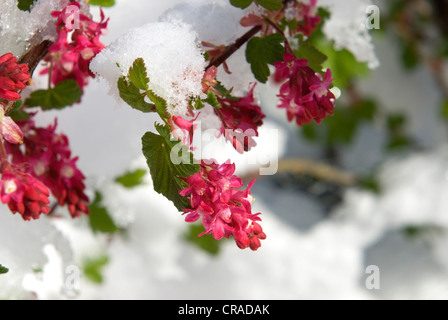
(3, 269)
(271, 4)
(205, 242)
(25, 5)
(102, 3)
(131, 179)
(224, 92)
(260, 52)
(99, 218)
(314, 56)
(160, 105)
(93, 268)
(212, 100)
(241, 3)
(137, 74)
(65, 93)
(18, 114)
(168, 161)
(133, 97)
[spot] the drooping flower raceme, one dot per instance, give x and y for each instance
(49, 157)
(304, 94)
(225, 209)
(70, 58)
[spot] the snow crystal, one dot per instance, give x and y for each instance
(216, 22)
(20, 29)
(174, 62)
(347, 27)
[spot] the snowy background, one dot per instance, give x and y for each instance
(309, 253)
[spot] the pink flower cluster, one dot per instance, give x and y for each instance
(70, 58)
(225, 209)
(47, 157)
(304, 94)
(24, 194)
(240, 119)
(13, 77)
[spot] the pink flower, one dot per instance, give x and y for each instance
(208, 80)
(13, 77)
(24, 194)
(224, 208)
(240, 120)
(186, 126)
(70, 59)
(304, 94)
(9, 130)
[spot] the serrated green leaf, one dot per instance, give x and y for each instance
(3, 269)
(131, 179)
(137, 74)
(64, 94)
(160, 105)
(102, 3)
(241, 3)
(99, 218)
(92, 268)
(271, 4)
(133, 97)
(168, 161)
(212, 100)
(196, 104)
(223, 91)
(260, 52)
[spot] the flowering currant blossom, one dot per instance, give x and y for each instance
(225, 210)
(69, 59)
(49, 159)
(24, 194)
(304, 94)
(240, 119)
(9, 130)
(13, 77)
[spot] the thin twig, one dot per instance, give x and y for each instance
(234, 47)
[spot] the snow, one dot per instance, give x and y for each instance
(17, 27)
(308, 253)
(347, 27)
(160, 44)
